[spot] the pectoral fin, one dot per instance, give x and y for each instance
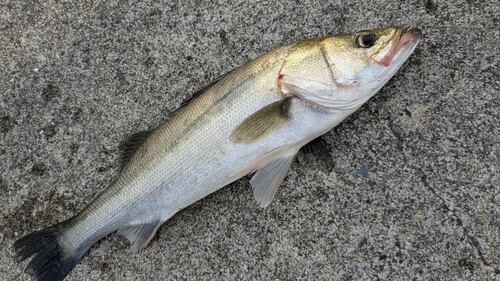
(268, 178)
(140, 235)
(263, 122)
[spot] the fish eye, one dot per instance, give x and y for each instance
(365, 39)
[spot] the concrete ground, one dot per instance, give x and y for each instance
(414, 192)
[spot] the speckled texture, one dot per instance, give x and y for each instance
(414, 191)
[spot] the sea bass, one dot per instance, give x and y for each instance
(253, 119)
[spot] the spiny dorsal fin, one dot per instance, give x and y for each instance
(140, 235)
(132, 143)
(198, 93)
(263, 122)
(319, 148)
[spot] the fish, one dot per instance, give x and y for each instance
(254, 119)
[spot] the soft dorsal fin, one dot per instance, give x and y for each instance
(263, 122)
(132, 143)
(140, 235)
(319, 148)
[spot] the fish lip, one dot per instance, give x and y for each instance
(406, 39)
(412, 36)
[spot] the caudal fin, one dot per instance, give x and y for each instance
(50, 261)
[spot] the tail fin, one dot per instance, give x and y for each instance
(50, 260)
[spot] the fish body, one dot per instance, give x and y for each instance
(255, 118)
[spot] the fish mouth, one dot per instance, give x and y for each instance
(408, 39)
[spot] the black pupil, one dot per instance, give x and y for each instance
(368, 40)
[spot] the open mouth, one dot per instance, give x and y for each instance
(407, 39)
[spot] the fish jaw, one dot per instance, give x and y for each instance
(406, 40)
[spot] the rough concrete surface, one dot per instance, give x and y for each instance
(414, 192)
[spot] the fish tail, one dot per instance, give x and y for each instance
(50, 259)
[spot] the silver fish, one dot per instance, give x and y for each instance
(255, 118)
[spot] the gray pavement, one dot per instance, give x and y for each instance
(414, 192)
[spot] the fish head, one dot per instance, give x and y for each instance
(369, 56)
(343, 71)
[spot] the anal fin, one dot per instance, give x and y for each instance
(140, 235)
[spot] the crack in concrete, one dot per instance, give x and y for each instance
(397, 133)
(469, 238)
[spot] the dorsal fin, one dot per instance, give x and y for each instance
(198, 93)
(203, 102)
(132, 143)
